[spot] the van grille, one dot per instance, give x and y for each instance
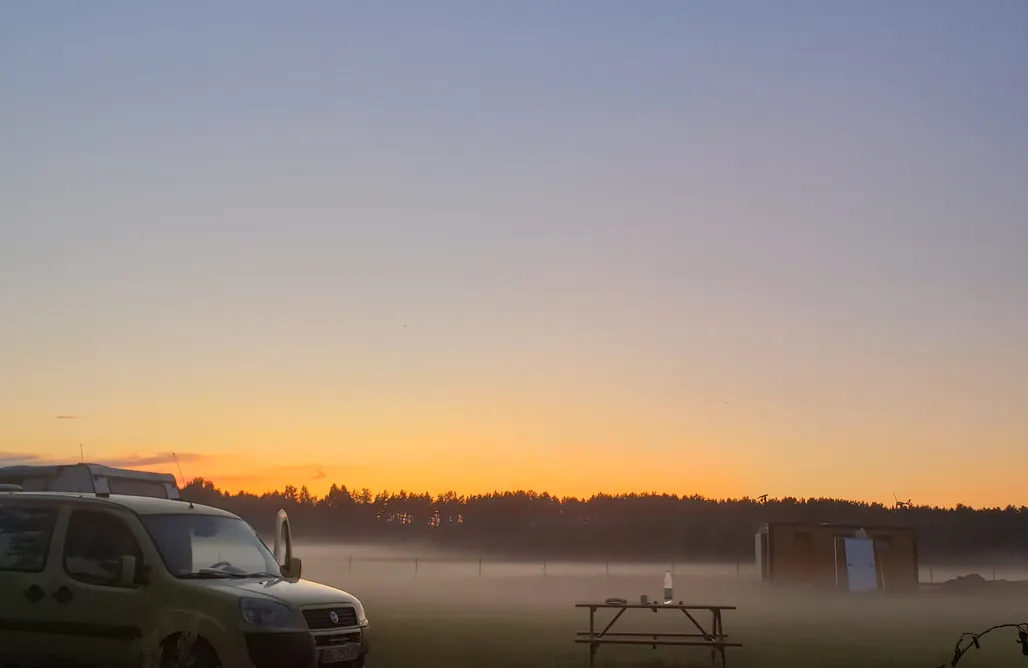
(328, 640)
(321, 618)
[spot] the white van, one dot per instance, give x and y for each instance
(90, 478)
(141, 582)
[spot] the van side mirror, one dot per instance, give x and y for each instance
(292, 570)
(127, 576)
(283, 549)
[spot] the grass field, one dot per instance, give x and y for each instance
(442, 620)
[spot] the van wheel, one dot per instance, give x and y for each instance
(179, 652)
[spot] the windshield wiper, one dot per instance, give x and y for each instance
(222, 575)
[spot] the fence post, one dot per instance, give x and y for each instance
(931, 576)
(349, 564)
(415, 567)
(993, 573)
(480, 567)
(544, 568)
(737, 569)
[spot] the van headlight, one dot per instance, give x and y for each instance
(261, 613)
(362, 619)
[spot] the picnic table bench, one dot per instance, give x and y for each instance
(715, 638)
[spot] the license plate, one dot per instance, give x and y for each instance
(340, 653)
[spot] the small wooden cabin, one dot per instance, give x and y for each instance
(815, 556)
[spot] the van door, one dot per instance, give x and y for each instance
(105, 619)
(28, 554)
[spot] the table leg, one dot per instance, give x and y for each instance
(713, 634)
(719, 634)
(611, 622)
(592, 637)
(703, 631)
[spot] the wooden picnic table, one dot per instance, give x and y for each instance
(715, 638)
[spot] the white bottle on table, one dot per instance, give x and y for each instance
(668, 586)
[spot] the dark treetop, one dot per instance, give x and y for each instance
(625, 526)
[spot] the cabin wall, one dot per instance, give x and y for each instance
(809, 556)
(896, 553)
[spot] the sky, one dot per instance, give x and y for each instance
(728, 248)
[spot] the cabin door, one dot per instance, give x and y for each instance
(861, 573)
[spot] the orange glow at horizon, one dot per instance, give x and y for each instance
(617, 444)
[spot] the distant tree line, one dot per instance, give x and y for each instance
(624, 526)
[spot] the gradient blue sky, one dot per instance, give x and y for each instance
(727, 247)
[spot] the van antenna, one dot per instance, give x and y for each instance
(181, 478)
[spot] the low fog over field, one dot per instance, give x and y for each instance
(443, 613)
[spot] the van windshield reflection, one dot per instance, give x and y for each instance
(210, 547)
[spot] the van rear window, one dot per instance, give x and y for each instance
(25, 535)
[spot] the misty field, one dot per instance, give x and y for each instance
(443, 614)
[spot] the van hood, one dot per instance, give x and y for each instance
(297, 593)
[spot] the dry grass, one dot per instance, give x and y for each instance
(530, 622)
(415, 635)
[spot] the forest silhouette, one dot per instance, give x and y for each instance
(525, 524)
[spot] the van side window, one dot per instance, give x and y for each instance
(25, 535)
(94, 546)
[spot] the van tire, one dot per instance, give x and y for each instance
(199, 654)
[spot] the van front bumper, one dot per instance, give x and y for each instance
(350, 635)
(281, 650)
(300, 649)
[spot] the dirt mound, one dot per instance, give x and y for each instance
(974, 583)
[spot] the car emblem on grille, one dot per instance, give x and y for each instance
(334, 617)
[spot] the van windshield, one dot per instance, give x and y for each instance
(208, 546)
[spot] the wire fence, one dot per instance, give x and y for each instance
(484, 567)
